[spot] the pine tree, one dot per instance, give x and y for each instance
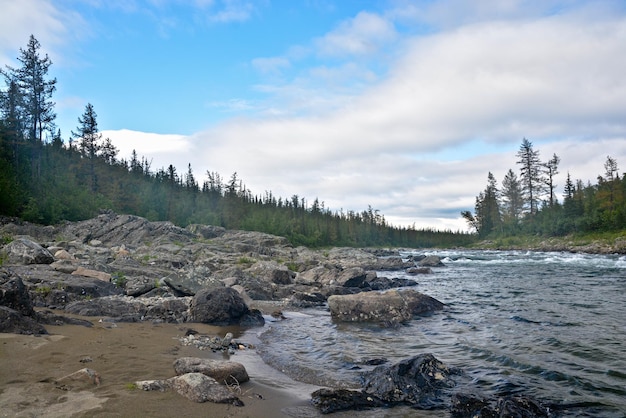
(89, 141)
(36, 90)
(512, 197)
(551, 169)
(530, 174)
(487, 218)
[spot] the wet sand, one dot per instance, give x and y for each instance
(122, 354)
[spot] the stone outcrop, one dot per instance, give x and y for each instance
(24, 250)
(113, 255)
(388, 308)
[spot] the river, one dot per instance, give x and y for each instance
(548, 325)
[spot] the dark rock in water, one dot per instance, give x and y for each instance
(24, 251)
(385, 283)
(472, 405)
(333, 400)
(430, 261)
(418, 381)
(389, 308)
(307, 299)
(221, 306)
(419, 270)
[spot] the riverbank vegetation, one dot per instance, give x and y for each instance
(526, 209)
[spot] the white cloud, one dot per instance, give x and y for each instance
(161, 149)
(485, 85)
(363, 35)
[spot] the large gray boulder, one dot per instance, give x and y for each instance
(16, 311)
(222, 306)
(388, 308)
(199, 387)
(224, 372)
(13, 293)
(23, 251)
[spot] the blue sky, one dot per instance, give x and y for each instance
(401, 105)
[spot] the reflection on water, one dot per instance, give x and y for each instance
(550, 325)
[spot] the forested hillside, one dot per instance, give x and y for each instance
(528, 204)
(46, 179)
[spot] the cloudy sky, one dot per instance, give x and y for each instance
(402, 105)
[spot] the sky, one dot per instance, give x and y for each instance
(404, 106)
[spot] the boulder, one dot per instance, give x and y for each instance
(224, 372)
(419, 270)
(417, 381)
(82, 379)
(11, 321)
(387, 308)
(329, 400)
(24, 251)
(271, 272)
(430, 261)
(473, 405)
(222, 306)
(199, 387)
(191, 279)
(13, 293)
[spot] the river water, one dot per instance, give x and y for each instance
(548, 325)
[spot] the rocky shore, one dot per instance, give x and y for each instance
(155, 277)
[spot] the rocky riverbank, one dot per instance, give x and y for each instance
(132, 285)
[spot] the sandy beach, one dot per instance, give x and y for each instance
(123, 353)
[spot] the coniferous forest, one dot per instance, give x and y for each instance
(528, 204)
(46, 179)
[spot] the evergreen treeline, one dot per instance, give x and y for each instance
(528, 205)
(46, 180)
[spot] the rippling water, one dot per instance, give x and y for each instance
(549, 325)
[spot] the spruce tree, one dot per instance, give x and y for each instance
(512, 197)
(36, 89)
(530, 175)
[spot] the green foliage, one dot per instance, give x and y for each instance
(245, 261)
(586, 209)
(118, 279)
(6, 239)
(43, 290)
